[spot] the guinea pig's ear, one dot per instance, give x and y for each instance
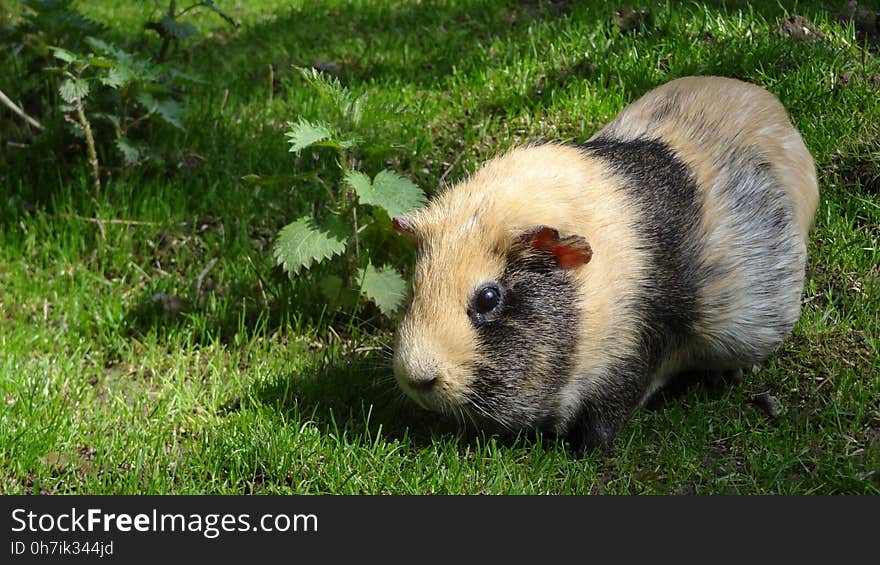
(570, 251)
(404, 226)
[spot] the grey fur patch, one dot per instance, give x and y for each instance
(761, 271)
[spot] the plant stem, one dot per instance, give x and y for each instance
(271, 82)
(122, 128)
(346, 205)
(167, 37)
(349, 205)
(90, 145)
(343, 165)
(357, 246)
(187, 9)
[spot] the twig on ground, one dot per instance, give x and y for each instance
(441, 182)
(201, 279)
(222, 106)
(15, 108)
(111, 221)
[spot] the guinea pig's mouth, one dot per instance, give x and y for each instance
(428, 396)
(464, 405)
(434, 394)
(415, 396)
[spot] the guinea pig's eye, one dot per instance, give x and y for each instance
(487, 299)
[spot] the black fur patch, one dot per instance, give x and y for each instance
(528, 345)
(668, 198)
(667, 195)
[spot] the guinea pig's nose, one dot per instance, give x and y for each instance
(423, 380)
(416, 373)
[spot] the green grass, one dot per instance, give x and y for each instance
(258, 391)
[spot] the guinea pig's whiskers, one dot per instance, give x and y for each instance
(376, 365)
(387, 352)
(385, 378)
(481, 406)
(471, 417)
(458, 416)
(388, 393)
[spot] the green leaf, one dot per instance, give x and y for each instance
(181, 76)
(171, 111)
(64, 55)
(57, 18)
(112, 118)
(384, 286)
(102, 46)
(100, 61)
(168, 109)
(119, 76)
(361, 184)
(389, 190)
(108, 48)
(73, 88)
(304, 242)
(179, 30)
(328, 87)
(150, 104)
(303, 134)
(130, 152)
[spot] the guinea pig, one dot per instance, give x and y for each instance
(561, 285)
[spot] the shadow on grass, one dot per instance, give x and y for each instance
(358, 399)
(684, 384)
(423, 44)
(416, 43)
(244, 317)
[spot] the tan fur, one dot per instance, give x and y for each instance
(466, 232)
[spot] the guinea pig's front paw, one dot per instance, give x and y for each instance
(589, 435)
(718, 379)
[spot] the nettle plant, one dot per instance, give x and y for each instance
(349, 227)
(109, 96)
(134, 90)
